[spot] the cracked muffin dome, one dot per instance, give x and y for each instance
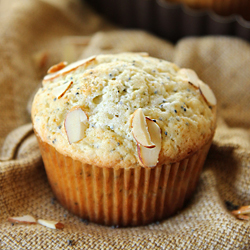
(85, 110)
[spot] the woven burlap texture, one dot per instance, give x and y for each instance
(36, 34)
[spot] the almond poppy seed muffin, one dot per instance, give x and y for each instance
(123, 137)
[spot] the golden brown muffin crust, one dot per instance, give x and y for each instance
(109, 88)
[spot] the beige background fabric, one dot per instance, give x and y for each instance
(36, 34)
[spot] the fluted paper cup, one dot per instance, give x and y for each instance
(124, 197)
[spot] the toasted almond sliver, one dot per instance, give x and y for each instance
(59, 91)
(242, 210)
(207, 93)
(140, 129)
(27, 219)
(57, 67)
(191, 76)
(148, 157)
(242, 217)
(51, 224)
(59, 225)
(76, 122)
(69, 68)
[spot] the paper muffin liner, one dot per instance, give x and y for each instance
(174, 20)
(124, 197)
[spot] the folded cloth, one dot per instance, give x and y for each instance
(36, 34)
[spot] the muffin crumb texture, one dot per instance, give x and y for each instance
(108, 89)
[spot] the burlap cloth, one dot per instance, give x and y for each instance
(36, 34)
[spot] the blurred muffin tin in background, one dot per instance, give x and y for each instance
(171, 20)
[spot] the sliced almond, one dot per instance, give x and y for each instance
(208, 94)
(75, 124)
(59, 91)
(26, 219)
(148, 157)
(140, 129)
(243, 217)
(191, 76)
(51, 224)
(242, 210)
(57, 67)
(69, 68)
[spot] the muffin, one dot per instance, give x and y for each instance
(123, 137)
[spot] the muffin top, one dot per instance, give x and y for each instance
(102, 110)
